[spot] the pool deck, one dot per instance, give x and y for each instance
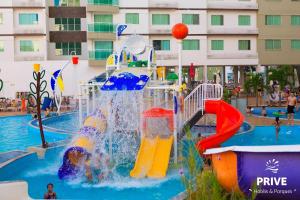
(5, 114)
(264, 121)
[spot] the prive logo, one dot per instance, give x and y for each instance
(272, 166)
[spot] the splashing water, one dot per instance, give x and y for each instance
(117, 147)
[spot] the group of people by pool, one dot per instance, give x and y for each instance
(290, 112)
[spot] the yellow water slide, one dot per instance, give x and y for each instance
(144, 157)
(153, 158)
(161, 158)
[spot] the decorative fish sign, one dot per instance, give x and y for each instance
(120, 29)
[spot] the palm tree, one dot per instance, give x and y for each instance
(254, 81)
(284, 75)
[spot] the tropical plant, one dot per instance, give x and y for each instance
(284, 75)
(227, 95)
(254, 81)
(201, 183)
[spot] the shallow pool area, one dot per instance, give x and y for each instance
(266, 135)
(15, 134)
(67, 122)
(272, 111)
(40, 172)
(208, 130)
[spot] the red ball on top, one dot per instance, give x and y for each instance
(180, 31)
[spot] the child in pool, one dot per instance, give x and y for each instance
(264, 111)
(248, 110)
(101, 165)
(50, 194)
(88, 170)
(277, 126)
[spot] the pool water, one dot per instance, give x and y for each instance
(15, 134)
(266, 135)
(40, 172)
(208, 130)
(66, 122)
(272, 110)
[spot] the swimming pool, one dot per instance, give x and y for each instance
(40, 172)
(271, 110)
(66, 122)
(15, 134)
(208, 130)
(266, 135)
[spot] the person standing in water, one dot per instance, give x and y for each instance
(277, 127)
(50, 194)
(292, 104)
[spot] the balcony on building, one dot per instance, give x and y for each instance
(103, 6)
(30, 57)
(105, 31)
(160, 30)
(163, 4)
(98, 58)
(232, 4)
(221, 30)
(31, 30)
(29, 3)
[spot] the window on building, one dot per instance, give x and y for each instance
(98, 18)
(273, 44)
(244, 20)
(1, 18)
(217, 45)
(295, 44)
(1, 46)
(68, 48)
(132, 18)
(244, 45)
(190, 19)
(295, 20)
(70, 3)
(29, 46)
(102, 50)
(217, 20)
(160, 19)
(68, 24)
(272, 19)
(161, 45)
(28, 18)
(191, 45)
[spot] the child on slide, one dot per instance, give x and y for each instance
(101, 165)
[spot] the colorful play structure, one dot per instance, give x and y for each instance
(162, 120)
(154, 154)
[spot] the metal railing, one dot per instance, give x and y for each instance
(195, 101)
(100, 54)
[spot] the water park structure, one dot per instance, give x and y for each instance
(131, 126)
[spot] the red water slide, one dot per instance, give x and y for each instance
(229, 121)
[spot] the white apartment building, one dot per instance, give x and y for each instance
(222, 33)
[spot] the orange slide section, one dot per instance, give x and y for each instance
(229, 121)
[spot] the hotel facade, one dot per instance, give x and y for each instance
(233, 33)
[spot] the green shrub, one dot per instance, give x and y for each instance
(201, 183)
